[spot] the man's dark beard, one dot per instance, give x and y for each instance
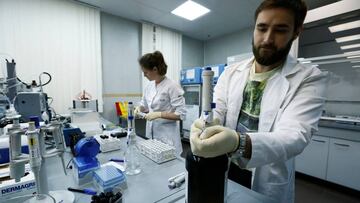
(276, 56)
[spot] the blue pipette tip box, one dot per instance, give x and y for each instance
(107, 178)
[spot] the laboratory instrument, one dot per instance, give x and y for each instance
(192, 82)
(36, 158)
(84, 101)
(206, 177)
(28, 100)
(31, 104)
(85, 161)
(132, 164)
(207, 96)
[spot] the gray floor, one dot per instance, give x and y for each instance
(312, 190)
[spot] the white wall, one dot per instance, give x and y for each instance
(343, 92)
(120, 52)
(121, 48)
(217, 50)
(192, 52)
(58, 37)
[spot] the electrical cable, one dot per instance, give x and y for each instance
(67, 165)
(27, 85)
(50, 78)
(40, 85)
(52, 99)
(52, 109)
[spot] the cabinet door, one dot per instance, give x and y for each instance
(344, 163)
(313, 160)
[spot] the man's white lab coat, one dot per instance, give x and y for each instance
(291, 106)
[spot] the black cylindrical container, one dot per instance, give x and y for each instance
(207, 178)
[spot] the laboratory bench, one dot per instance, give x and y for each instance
(151, 185)
(351, 127)
(333, 153)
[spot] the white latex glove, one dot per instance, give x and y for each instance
(200, 124)
(215, 141)
(137, 110)
(153, 115)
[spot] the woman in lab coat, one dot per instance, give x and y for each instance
(163, 102)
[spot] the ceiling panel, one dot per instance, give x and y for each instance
(226, 16)
(318, 3)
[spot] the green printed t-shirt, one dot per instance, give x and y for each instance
(248, 120)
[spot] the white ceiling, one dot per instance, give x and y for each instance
(226, 16)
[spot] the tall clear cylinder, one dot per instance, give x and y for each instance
(132, 164)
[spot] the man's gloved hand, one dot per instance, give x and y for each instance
(153, 115)
(214, 141)
(200, 124)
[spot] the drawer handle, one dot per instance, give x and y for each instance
(315, 140)
(342, 145)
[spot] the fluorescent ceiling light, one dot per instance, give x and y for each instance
(355, 62)
(351, 46)
(345, 26)
(352, 57)
(190, 10)
(350, 53)
(304, 62)
(356, 66)
(348, 38)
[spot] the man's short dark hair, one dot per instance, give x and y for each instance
(297, 7)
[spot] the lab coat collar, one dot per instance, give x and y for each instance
(162, 83)
(290, 66)
(246, 64)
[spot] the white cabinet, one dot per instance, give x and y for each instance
(344, 163)
(332, 159)
(313, 160)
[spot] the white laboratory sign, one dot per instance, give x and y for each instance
(190, 74)
(216, 70)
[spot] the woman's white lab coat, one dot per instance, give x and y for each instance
(167, 96)
(291, 106)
